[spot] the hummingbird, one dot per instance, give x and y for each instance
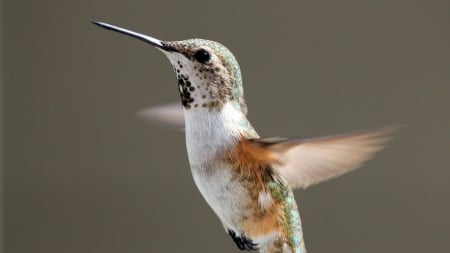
(247, 180)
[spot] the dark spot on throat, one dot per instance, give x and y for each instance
(184, 87)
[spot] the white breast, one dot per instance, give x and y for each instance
(210, 131)
(208, 134)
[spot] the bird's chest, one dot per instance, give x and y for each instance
(209, 136)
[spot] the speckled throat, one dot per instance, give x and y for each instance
(208, 84)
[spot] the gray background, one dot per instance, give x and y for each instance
(83, 174)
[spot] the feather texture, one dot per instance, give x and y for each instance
(305, 162)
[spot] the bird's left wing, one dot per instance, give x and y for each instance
(168, 115)
(305, 162)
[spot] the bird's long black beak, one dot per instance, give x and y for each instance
(147, 39)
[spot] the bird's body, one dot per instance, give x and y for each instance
(251, 199)
(245, 179)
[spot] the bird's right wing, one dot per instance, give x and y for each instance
(305, 162)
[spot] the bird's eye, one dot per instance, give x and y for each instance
(202, 56)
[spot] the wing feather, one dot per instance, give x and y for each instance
(305, 162)
(168, 115)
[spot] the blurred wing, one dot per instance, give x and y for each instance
(305, 162)
(168, 115)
